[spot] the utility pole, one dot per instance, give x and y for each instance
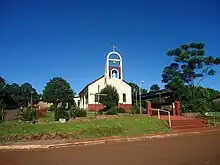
(136, 97)
(97, 94)
(140, 93)
(31, 101)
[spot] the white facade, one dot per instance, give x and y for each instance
(113, 76)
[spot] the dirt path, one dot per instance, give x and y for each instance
(185, 150)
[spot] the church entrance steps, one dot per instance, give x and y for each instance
(182, 122)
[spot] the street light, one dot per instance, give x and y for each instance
(31, 100)
(140, 93)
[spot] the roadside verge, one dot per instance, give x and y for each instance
(48, 145)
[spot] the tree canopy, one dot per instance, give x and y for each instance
(111, 99)
(2, 92)
(58, 90)
(135, 91)
(154, 87)
(13, 93)
(190, 66)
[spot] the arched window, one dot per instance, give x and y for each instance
(114, 73)
(124, 97)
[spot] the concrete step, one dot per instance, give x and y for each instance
(188, 127)
(188, 122)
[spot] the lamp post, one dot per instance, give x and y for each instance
(135, 97)
(140, 93)
(31, 100)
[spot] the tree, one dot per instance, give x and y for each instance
(111, 99)
(27, 92)
(58, 90)
(189, 69)
(2, 93)
(190, 66)
(135, 91)
(154, 87)
(144, 91)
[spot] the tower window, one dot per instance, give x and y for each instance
(114, 73)
(124, 97)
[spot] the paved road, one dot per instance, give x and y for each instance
(185, 150)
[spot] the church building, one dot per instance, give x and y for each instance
(88, 97)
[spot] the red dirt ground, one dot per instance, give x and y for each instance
(202, 149)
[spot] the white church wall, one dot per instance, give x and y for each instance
(93, 88)
(121, 87)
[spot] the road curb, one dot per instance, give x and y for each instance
(103, 141)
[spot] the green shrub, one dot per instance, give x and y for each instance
(112, 111)
(100, 112)
(61, 113)
(82, 113)
(28, 114)
(52, 108)
(134, 110)
(2, 115)
(77, 112)
(121, 110)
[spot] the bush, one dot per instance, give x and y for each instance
(112, 111)
(121, 110)
(134, 110)
(61, 113)
(100, 112)
(52, 108)
(77, 112)
(2, 115)
(28, 114)
(111, 97)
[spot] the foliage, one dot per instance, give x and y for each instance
(52, 108)
(199, 101)
(13, 94)
(135, 109)
(112, 111)
(58, 90)
(77, 112)
(135, 91)
(189, 69)
(2, 115)
(100, 112)
(120, 110)
(154, 87)
(216, 104)
(144, 91)
(25, 94)
(28, 114)
(2, 92)
(190, 64)
(111, 99)
(61, 113)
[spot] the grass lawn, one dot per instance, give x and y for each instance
(121, 126)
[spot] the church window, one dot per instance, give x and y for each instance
(78, 103)
(124, 97)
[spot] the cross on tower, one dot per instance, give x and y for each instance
(113, 48)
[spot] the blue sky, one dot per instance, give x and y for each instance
(43, 39)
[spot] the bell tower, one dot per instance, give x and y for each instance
(113, 67)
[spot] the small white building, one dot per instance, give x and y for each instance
(113, 76)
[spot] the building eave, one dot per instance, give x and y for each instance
(90, 84)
